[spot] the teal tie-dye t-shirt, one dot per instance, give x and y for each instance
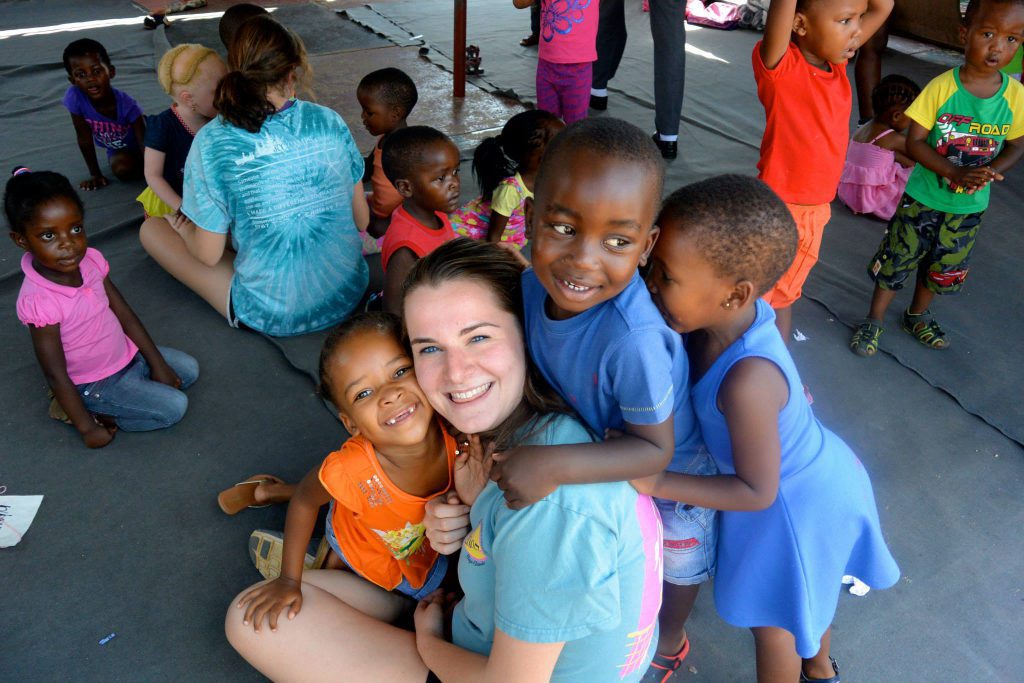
(285, 195)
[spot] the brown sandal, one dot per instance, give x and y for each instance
(243, 494)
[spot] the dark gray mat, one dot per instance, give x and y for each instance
(721, 132)
(321, 30)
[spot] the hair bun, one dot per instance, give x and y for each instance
(18, 170)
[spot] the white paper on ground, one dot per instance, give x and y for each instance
(799, 336)
(16, 515)
(857, 587)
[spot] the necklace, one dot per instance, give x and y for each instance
(188, 128)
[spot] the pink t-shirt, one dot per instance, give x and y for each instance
(95, 345)
(568, 31)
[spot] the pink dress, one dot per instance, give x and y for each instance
(872, 180)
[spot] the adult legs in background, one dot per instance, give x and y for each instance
(611, 41)
(167, 248)
(135, 400)
(668, 29)
(343, 626)
(778, 661)
(868, 71)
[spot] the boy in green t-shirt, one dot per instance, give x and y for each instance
(967, 129)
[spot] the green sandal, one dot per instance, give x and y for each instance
(864, 341)
(923, 328)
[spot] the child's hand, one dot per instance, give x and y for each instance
(446, 521)
(94, 183)
(429, 615)
(525, 475)
(269, 600)
(180, 222)
(973, 179)
(472, 467)
(99, 436)
(165, 374)
(512, 249)
(647, 485)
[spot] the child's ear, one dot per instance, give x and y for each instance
(112, 70)
(800, 24)
(71, 79)
(528, 216)
(652, 238)
(963, 33)
(404, 187)
(743, 292)
(349, 425)
(19, 239)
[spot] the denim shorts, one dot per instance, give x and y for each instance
(432, 583)
(691, 533)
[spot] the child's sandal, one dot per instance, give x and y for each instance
(266, 550)
(924, 328)
(663, 668)
(833, 679)
(864, 341)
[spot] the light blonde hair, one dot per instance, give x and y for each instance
(180, 65)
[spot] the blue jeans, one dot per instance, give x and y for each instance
(136, 402)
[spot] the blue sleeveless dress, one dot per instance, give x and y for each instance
(782, 566)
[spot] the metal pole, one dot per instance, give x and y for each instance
(459, 88)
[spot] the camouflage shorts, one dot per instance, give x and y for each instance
(935, 243)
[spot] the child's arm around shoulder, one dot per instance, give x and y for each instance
(751, 396)
(160, 371)
(50, 353)
(272, 598)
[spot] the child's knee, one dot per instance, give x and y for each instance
(126, 165)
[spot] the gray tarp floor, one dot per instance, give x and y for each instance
(129, 539)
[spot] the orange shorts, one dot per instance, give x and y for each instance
(810, 224)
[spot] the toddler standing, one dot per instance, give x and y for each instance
(800, 70)
(877, 166)
(958, 128)
(103, 367)
(566, 53)
(506, 167)
(798, 511)
(102, 114)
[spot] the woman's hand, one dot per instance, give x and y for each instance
(525, 475)
(270, 600)
(447, 522)
(472, 467)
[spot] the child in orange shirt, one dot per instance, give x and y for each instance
(800, 70)
(377, 484)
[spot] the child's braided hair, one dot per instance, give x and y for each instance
(893, 91)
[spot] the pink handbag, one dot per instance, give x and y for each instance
(720, 15)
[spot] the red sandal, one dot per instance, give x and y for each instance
(663, 668)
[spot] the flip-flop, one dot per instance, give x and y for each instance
(242, 495)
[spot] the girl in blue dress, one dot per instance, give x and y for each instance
(798, 511)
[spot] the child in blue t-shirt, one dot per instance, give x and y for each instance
(102, 114)
(595, 334)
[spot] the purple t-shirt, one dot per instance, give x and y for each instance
(111, 135)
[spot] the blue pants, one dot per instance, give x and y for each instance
(135, 401)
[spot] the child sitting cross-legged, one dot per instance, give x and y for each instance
(966, 130)
(101, 364)
(377, 484)
(423, 165)
(797, 508)
(386, 97)
(102, 113)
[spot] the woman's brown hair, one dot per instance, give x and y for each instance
(264, 53)
(498, 271)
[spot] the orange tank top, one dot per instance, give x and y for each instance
(379, 527)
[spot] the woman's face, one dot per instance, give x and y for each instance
(469, 354)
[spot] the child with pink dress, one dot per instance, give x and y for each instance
(877, 166)
(565, 55)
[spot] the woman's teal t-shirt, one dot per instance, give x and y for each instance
(285, 194)
(582, 566)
